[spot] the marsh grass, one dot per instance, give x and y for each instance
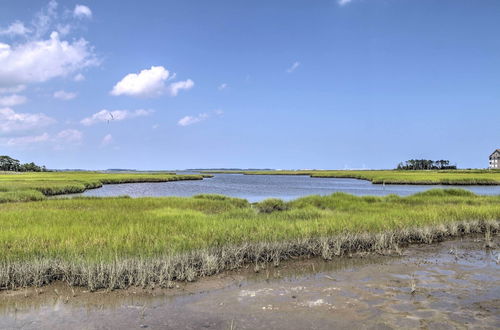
(29, 186)
(120, 242)
(428, 177)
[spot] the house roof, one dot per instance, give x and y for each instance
(498, 150)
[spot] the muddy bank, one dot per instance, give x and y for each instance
(445, 285)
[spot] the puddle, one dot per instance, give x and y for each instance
(445, 285)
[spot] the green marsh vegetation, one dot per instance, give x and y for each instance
(120, 242)
(444, 177)
(33, 186)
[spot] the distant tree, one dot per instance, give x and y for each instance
(425, 164)
(10, 164)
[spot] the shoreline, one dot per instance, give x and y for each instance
(165, 271)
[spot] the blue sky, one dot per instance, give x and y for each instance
(262, 84)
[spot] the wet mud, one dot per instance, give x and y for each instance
(448, 285)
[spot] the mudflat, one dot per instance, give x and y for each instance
(451, 284)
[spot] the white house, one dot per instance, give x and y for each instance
(495, 159)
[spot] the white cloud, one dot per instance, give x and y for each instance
(25, 140)
(39, 61)
(190, 120)
(343, 2)
(66, 96)
(60, 141)
(294, 66)
(15, 89)
(15, 29)
(69, 136)
(149, 83)
(82, 11)
(222, 86)
(115, 115)
(12, 100)
(107, 140)
(79, 77)
(13, 122)
(175, 87)
(43, 19)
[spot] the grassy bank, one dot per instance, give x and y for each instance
(448, 177)
(21, 187)
(119, 242)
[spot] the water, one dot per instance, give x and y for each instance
(430, 288)
(259, 187)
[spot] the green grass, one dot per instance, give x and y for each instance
(34, 186)
(445, 177)
(117, 242)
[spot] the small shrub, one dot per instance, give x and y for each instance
(271, 205)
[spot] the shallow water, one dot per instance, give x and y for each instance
(454, 284)
(259, 187)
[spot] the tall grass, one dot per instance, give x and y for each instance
(118, 242)
(444, 177)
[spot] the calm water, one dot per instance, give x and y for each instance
(259, 187)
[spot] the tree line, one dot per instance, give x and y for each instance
(10, 164)
(426, 164)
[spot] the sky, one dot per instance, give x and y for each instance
(324, 84)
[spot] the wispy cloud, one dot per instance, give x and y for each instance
(79, 77)
(14, 89)
(293, 67)
(12, 122)
(25, 140)
(12, 100)
(65, 96)
(222, 86)
(15, 29)
(107, 140)
(114, 115)
(343, 2)
(190, 120)
(65, 139)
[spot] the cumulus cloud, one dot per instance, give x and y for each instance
(39, 61)
(15, 29)
(12, 122)
(149, 83)
(65, 96)
(190, 120)
(294, 66)
(40, 56)
(107, 140)
(82, 11)
(343, 2)
(12, 100)
(115, 115)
